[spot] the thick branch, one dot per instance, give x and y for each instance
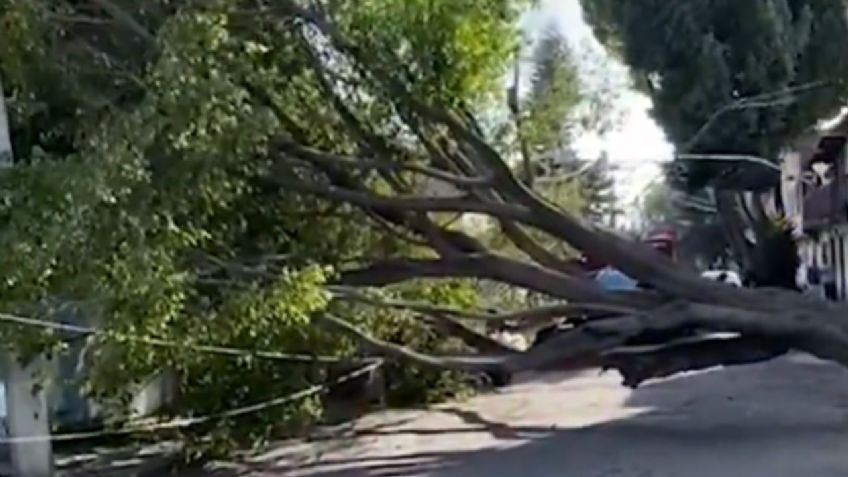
(570, 347)
(530, 316)
(640, 366)
(536, 251)
(408, 203)
(762, 336)
(122, 16)
(402, 353)
(315, 155)
(638, 262)
(496, 268)
(634, 259)
(478, 341)
(545, 218)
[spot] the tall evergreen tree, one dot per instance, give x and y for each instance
(696, 58)
(552, 115)
(730, 77)
(555, 93)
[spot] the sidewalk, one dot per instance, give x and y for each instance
(785, 418)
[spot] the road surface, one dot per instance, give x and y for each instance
(785, 418)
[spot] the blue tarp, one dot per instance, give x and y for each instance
(611, 279)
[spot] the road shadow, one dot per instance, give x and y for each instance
(778, 419)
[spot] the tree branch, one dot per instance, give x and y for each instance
(453, 328)
(529, 316)
(762, 336)
(635, 260)
(638, 367)
(402, 353)
(121, 15)
(535, 251)
(496, 268)
(407, 203)
(783, 97)
(311, 154)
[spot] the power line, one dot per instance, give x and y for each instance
(158, 342)
(144, 426)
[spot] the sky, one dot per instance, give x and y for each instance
(638, 144)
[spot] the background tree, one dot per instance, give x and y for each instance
(550, 106)
(559, 106)
(730, 78)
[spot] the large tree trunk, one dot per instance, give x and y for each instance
(734, 226)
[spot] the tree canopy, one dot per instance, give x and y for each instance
(730, 77)
(144, 139)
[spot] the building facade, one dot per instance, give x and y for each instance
(814, 190)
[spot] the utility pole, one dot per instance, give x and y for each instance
(27, 415)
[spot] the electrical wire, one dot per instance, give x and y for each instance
(145, 425)
(162, 343)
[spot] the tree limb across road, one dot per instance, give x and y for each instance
(766, 323)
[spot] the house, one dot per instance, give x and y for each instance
(814, 192)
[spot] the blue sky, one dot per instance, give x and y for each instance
(638, 143)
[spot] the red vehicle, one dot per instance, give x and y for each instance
(662, 240)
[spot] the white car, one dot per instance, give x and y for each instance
(723, 276)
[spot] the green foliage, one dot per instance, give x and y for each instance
(693, 58)
(143, 196)
(411, 385)
(450, 50)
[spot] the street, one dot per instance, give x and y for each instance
(783, 418)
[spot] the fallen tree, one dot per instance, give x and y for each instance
(443, 143)
(357, 127)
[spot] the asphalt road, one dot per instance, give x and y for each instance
(785, 418)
